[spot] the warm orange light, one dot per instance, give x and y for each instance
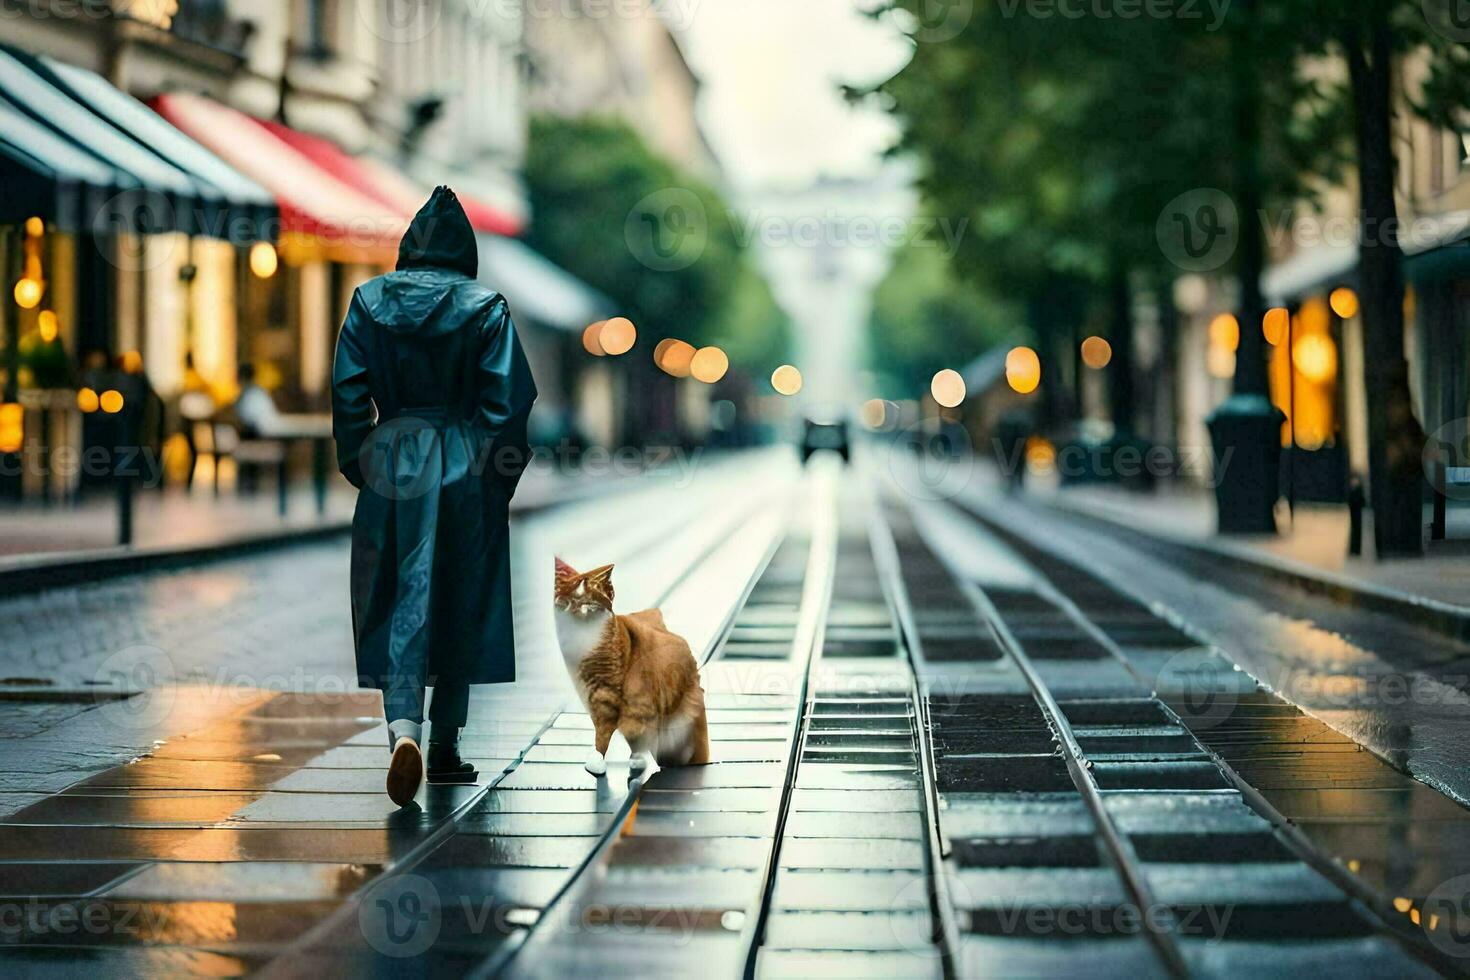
(47, 324)
(12, 427)
(1315, 356)
(111, 401)
(132, 362)
(1220, 362)
(1344, 302)
(1023, 370)
(1041, 455)
(590, 342)
(35, 227)
(948, 388)
(28, 293)
(673, 357)
(1313, 317)
(786, 379)
(87, 400)
(1276, 325)
(1225, 332)
(709, 365)
(263, 260)
(617, 336)
(1097, 353)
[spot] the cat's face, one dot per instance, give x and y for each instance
(583, 594)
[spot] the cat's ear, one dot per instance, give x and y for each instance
(600, 579)
(563, 570)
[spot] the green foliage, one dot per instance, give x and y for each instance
(585, 177)
(751, 328)
(925, 319)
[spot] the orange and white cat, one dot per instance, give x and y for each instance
(632, 674)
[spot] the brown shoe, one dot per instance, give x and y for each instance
(405, 772)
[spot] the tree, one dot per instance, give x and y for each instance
(589, 180)
(925, 319)
(1371, 37)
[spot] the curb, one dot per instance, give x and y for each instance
(78, 568)
(1440, 617)
(36, 573)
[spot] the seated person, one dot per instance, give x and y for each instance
(255, 410)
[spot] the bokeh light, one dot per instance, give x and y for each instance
(948, 388)
(111, 401)
(1225, 332)
(878, 414)
(1344, 302)
(87, 400)
(673, 356)
(1220, 362)
(786, 379)
(617, 336)
(1097, 353)
(1276, 325)
(28, 293)
(263, 260)
(12, 427)
(590, 342)
(48, 325)
(1041, 455)
(1023, 370)
(35, 227)
(709, 365)
(1315, 357)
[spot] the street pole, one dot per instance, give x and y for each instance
(1246, 428)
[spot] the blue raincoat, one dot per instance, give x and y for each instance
(430, 394)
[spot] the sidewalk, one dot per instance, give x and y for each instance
(1314, 542)
(178, 519)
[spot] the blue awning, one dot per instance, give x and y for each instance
(84, 156)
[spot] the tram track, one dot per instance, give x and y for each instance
(1188, 837)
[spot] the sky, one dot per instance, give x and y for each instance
(771, 104)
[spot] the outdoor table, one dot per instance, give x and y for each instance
(312, 427)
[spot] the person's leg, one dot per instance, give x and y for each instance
(448, 712)
(403, 704)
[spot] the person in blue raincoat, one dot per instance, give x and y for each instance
(430, 395)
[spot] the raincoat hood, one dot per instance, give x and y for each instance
(440, 237)
(428, 294)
